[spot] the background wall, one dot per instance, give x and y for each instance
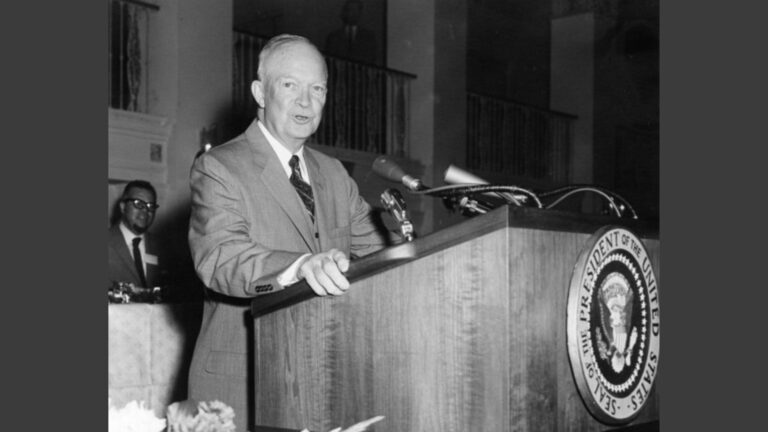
(508, 50)
(309, 18)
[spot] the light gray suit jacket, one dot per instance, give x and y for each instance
(247, 225)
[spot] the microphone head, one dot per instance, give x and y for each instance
(456, 175)
(388, 169)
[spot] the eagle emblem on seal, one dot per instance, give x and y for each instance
(615, 335)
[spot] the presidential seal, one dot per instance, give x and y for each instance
(613, 325)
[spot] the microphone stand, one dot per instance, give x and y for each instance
(393, 201)
(465, 205)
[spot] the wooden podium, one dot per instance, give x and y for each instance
(468, 336)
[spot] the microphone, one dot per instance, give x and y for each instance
(390, 170)
(456, 175)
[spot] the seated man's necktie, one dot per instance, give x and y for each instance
(138, 261)
(302, 188)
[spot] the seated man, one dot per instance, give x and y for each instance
(133, 256)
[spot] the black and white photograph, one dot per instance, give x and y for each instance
(384, 215)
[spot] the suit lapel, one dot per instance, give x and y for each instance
(277, 183)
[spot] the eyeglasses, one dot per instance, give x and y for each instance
(142, 205)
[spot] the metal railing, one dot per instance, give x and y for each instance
(367, 108)
(517, 140)
(128, 62)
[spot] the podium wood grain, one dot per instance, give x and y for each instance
(468, 337)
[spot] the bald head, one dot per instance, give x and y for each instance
(276, 48)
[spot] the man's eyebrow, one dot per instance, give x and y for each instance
(286, 77)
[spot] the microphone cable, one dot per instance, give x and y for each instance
(468, 189)
(608, 195)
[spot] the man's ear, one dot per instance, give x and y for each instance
(121, 204)
(257, 89)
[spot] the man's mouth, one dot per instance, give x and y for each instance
(301, 118)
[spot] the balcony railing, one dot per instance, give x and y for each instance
(518, 141)
(128, 54)
(367, 108)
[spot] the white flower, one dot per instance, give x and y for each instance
(192, 416)
(134, 417)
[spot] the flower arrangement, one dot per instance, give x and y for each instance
(185, 416)
(189, 416)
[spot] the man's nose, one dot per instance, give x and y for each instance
(303, 99)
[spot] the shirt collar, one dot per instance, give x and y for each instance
(129, 236)
(284, 155)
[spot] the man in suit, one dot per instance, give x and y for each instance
(352, 41)
(132, 251)
(267, 212)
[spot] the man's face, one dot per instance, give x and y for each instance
(137, 220)
(292, 93)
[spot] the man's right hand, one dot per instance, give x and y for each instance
(323, 272)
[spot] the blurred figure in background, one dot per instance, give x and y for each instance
(351, 41)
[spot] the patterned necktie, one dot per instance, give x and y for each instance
(302, 188)
(137, 260)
